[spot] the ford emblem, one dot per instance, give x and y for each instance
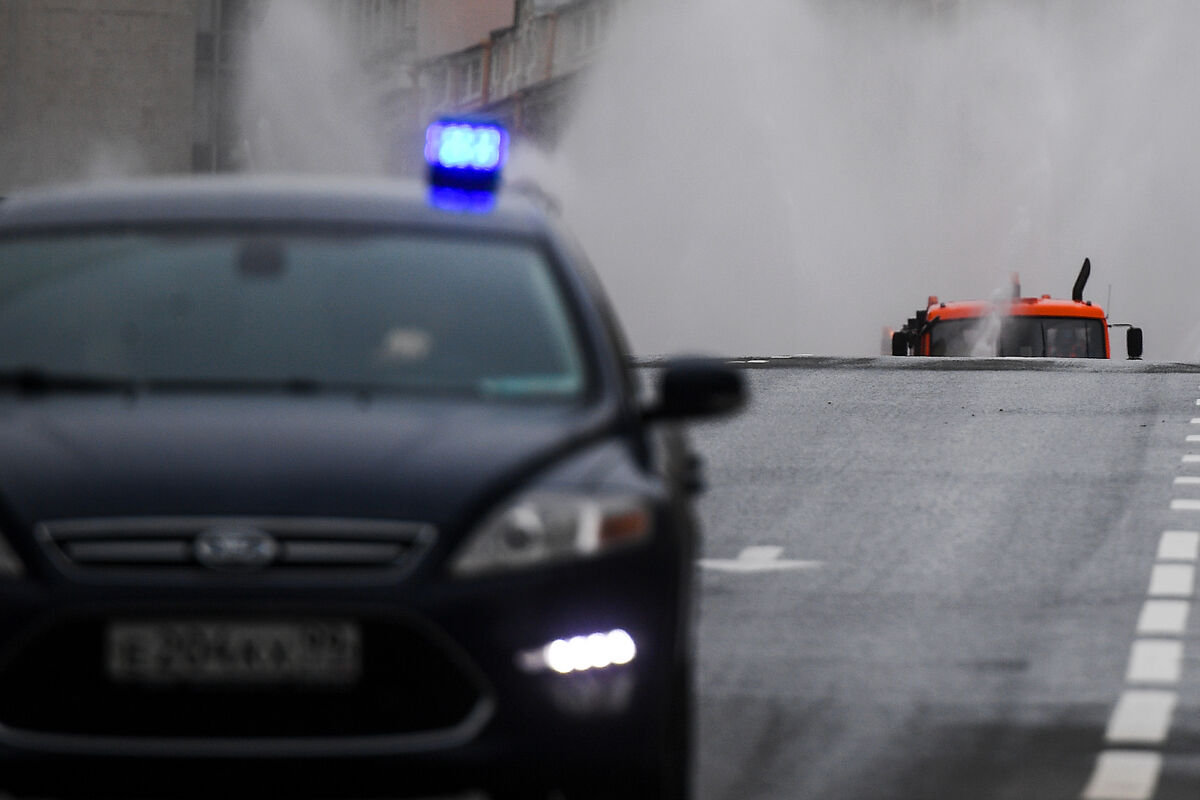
(235, 548)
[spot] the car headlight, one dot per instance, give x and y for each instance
(545, 526)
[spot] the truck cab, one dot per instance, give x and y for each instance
(1016, 326)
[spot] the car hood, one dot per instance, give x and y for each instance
(427, 460)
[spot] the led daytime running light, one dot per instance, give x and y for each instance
(583, 653)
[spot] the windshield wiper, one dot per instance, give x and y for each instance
(292, 385)
(299, 385)
(35, 380)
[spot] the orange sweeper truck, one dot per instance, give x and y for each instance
(1016, 326)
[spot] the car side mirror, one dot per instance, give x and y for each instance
(694, 388)
(1133, 343)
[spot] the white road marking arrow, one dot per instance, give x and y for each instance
(760, 558)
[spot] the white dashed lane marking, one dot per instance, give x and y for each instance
(1124, 775)
(760, 558)
(1179, 546)
(1142, 716)
(1172, 580)
(1155, 661)
(1164, 617)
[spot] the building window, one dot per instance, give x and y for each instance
(204, 15)
(501, 62)
(206, 48)
(532, 47)
(474, 79)
(438, 87)
(588, 30)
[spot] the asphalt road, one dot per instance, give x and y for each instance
(934, 579)
(951, 580)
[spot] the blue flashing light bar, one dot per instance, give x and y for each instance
(465, 154)
(461, 201)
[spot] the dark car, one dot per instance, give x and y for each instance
(333, 488)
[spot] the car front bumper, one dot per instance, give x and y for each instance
(446, 698)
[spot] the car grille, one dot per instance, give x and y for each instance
(412, 682)
(176, 544)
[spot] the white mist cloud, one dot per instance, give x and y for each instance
(785, 176)
(109, 160)
(306, 103)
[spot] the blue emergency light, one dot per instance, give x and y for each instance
(465, 154)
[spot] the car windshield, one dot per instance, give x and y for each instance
(1055, 337)
(399, 311)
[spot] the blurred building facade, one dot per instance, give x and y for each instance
(96, 87)
(524, 73)
(90, 88)
(390, 37)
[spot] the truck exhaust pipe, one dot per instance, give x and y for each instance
(1084, 273)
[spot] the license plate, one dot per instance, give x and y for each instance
(224, 653)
